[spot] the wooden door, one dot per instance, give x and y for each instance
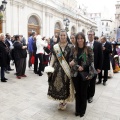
(32, 28)
(0, 26)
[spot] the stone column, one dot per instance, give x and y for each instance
(51, 27)
(47, 24)
(4, 23)
(43, 26)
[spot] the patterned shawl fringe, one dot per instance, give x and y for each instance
(71, 96)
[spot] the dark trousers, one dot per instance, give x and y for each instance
(91, 87)
(105, 77)
(8, 64)
(81, 94)
(9, 58)
(2, 72)
(40, 57)
(29, 62)
(21, 66)
(36, 64)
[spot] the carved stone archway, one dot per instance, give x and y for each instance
(73, 30)
(33, 25)
(57, 29)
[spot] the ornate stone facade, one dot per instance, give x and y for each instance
(117, 14)
(44, 16)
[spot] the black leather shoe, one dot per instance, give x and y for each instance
(81, 115)
(90, 100)
(98, 82)
(104, 83)
(2, 80)
(40, 74)
(10, 69)
(77, 114)
(35, 72)
(5, 79)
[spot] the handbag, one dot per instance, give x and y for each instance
(47, 50)
(44, 59)
(83, 75)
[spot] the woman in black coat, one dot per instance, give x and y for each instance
(3, 57)
(82, 70)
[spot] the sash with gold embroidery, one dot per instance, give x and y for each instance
(62, 60)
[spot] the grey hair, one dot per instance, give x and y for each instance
(2, 34)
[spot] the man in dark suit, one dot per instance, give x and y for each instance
(98, 57)
(107, 49)
(9, 44)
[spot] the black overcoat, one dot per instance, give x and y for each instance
(3, 54)
(98, 55)
(106, 56)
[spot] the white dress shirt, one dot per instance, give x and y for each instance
(90, 44)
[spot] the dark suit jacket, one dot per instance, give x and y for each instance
(7, 43)
(106, 56)
(3, 54)
(98, 55)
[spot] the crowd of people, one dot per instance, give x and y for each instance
(76, 62)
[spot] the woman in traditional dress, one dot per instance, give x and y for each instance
(82, 70)
(60, 83)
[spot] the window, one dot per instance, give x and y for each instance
(33, 20)
(57, 25)
(107, 24)
(72, 30)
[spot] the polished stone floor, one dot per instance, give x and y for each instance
(26, 99)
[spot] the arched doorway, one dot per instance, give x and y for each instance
(73, 30)
(33, 25)
(57, 29)
(83, 31)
